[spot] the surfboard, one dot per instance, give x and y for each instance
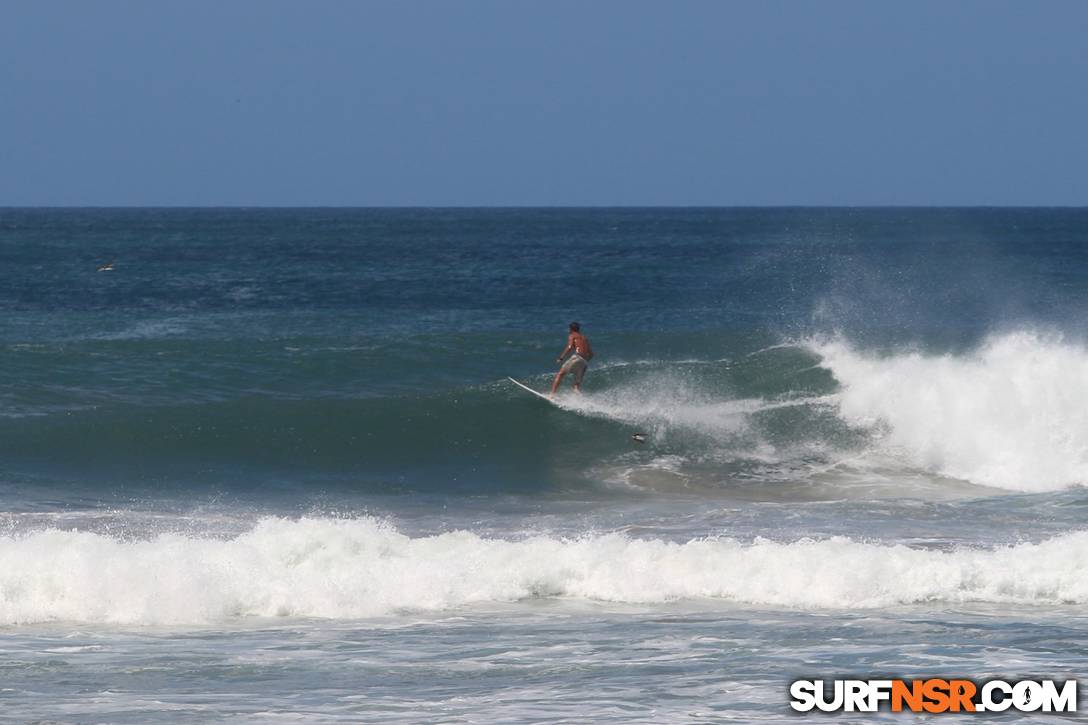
(537, 393)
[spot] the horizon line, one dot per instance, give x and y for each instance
(6, 207)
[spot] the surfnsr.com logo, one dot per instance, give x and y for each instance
(934, 695)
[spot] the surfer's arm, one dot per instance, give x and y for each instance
(567, 349)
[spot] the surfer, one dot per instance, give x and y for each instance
(107, 267)
(580, 352)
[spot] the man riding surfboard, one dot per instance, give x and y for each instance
(580, 352)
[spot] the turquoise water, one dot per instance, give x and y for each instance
(271, 464)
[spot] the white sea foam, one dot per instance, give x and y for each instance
(144, 330)
(660, 410)
(664, 404)
(1011, 414)
(349, 568)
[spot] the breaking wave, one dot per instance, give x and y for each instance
(1012, 413)
(364, 567)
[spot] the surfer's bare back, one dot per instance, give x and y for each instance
(580, 352)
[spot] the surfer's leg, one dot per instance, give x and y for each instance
(565, 368)
(579, 373)
(558, 379)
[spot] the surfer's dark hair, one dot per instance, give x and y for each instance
(575, 326)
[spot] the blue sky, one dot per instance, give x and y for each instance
(262, 102)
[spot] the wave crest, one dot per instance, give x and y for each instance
(352, 568)
(1012, 413)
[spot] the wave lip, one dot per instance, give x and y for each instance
(1011, 414)
(356, 568)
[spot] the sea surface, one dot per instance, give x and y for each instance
(270, 468)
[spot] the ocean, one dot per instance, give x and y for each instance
(270, 468)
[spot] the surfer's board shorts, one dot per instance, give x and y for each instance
(575, 364)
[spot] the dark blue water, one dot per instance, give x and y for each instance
(281, 430)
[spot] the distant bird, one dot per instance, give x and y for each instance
(638, 437)
(107, 267)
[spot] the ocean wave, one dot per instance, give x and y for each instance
(695, 411)
(364, 567)
(1012, 413)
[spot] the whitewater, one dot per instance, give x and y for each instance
(350, 569)
(1011, 413)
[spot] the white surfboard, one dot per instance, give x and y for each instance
(537, 393)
